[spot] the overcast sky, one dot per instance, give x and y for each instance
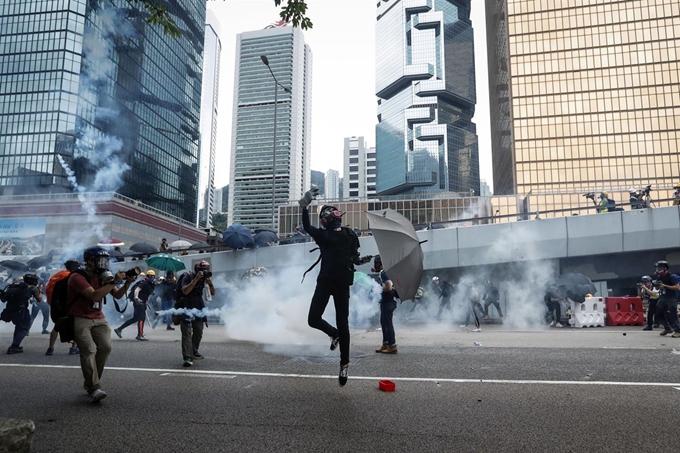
(343, 80)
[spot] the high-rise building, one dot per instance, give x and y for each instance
(359, 169)
(209, 96)
(318, 180)
(217, 205)
(91, 96)
(332, 185)
(425, 83)
(253, 180)
(593, 91)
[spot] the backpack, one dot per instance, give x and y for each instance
(178, 294)
(56, 291)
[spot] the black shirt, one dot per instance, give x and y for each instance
(669, 280)
(195, 297)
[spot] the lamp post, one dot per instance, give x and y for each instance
(276, 103)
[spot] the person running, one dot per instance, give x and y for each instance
(140, 296)
(388, 303)
(339, 253)
(445, 291)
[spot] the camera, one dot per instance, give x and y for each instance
(646, 190)
(207, 274)
(131, 273)
(589, 195)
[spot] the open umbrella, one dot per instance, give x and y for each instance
(237, 237)
(143, 247)
(264, 237)
(110, 242)
(574, 286)
(39, 261)
(165, 262)
(200, 246)
(14, 265)
(180, 244)
(400, 250)
(116, 255)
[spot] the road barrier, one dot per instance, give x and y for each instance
(624, 311)
(589, 313)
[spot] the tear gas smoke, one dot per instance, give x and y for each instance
(191, 312)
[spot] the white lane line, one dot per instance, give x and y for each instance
(213, 376)
(677, 388)
(363, 378)
(632, 347)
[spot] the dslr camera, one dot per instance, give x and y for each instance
(590, 195)
(207, 274)
(646, 190)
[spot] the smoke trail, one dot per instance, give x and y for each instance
(71, 176)
(191, 312)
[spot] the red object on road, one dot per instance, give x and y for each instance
(386, 386)
(624, 311)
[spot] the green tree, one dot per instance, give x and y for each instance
(219, 221)
(295, 11)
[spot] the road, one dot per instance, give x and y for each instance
(558, 390)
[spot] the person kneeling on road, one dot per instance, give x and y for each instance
(191, 298)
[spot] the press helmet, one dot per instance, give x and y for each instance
(631, 190)
(99, 256)
(661, 267)
(31, 279)
(328, 214)
(202, 266)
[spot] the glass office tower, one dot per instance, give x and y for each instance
(256, 187)
(595, 95)
(425, 83)
(93, 97)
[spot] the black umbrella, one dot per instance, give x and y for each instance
(574, 286)
(237, 236)
(264, 237)
(14, 265)
(116, 255)
(39, 261)
(143, 247)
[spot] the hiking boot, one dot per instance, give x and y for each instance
(648, 328)
(119, 333)
(73, 351)
(15, 350)
(198, 356)
(97, 396)
(342, 377)
(187, 363)
(381, 348)
(334, 343)
(390, 349)
(141, 338)
(50, 351)
(170, 328)
(665, 332)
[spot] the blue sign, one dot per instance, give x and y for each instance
(22, 236)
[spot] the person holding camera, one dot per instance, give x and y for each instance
(41, 306)
(166, 290)
(86, 294)
(17, 296)
(192, 287)
(650, 295)
(667, 307)
(140, 296)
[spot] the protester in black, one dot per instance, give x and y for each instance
(140, 296)
(554, 309)
(388, 303)
(491, 297)
(339, 253)
(667, 307)
(445, 291)
(41, 307)
(17, 297)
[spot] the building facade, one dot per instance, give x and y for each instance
(92, 98)
(332, 185)
(594, 95)
(259, 179)
(209, 97)
(426, 141)
(359, 169)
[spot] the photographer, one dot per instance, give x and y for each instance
(17, 296)
(91, 331)
(41, 306)
(140, 296)
(676, 194)
(650, 295)
(636, 201)
(192, 286)
(667, 308)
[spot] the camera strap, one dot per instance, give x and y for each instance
(118, 309)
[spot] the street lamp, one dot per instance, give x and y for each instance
(276, 103)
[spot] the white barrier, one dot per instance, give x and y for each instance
(590, 313)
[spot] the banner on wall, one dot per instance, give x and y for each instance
(22, 236)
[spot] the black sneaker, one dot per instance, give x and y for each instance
(15, 350)
(170, 328)
(648, 328)
(187, 363)
(334, 343)
(141, 338)
(198, 356)
(342, 377)
(119, 333)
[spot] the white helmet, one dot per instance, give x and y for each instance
(631, 190)
(435, 279)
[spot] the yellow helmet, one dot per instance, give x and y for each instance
(151, 273)
(677, 185)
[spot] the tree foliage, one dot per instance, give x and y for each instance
(295, 11)
(158, 15)
(219, 221)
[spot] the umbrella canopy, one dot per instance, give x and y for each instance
(14, 265)
(237, 237)
(116, 255)
(143, 247)
(400, 250)
(165, 262)
(264, 237)
(110, 242)
(200, 246)
(39, 261)
(572, 285)
(180, 244)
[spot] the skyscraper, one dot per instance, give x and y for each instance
(425, 83)
(252, 179)
(91, 96)
(332, 185)
(209, 96)
(594, 95)
(359, 169)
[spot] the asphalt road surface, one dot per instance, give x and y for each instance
(557, 390)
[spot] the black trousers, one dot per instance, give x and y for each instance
(322, 294)
(557, 308)
(496, 304)
(138, 317)
(445, 302)
(667, 311)
(652, 315)
(387, 308)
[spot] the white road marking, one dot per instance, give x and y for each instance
(213, 376)
(363, 378)
(677, 388)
